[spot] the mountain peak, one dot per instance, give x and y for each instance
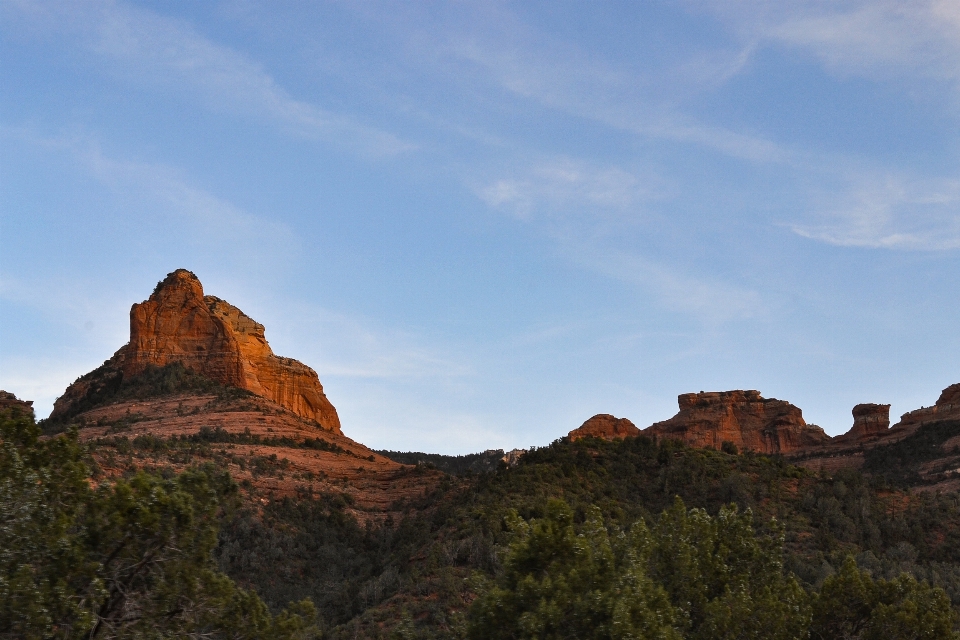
(210, 336)
(178, 283)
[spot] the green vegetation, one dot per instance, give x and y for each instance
(472, 463)
(128, 558)
(217, 435)
(416, 576)
(852, 605)
(899, 465)
(690, 575)
(106, 385)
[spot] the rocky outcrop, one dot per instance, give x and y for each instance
(743, 418)
(178, 323)
(946, 408)
(869, 421)
(605, 426)
(512, 458)
(13, 404)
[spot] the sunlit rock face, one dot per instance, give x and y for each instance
(743, 418)
(946, 408)
(178, 323)
(605, 426)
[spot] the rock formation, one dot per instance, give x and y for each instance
(512, 457)
(215, 339)
(605, 426)
(869, 421)
(946, 408)
(743, 418)
(13, 404)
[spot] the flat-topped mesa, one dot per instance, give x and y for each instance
(217, 340)
(743, 418)
(605, 426)
(946, 408)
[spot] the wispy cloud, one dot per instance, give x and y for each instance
(890, 211)
(160, 200)
(560, 77)
(147, 48)
(570, 187)
(351, 346)
(710, 300)
(362, 352)
(884, 38)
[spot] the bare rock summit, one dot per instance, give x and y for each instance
(210, 336)
(605, 426)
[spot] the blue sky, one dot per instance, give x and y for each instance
(484, 222)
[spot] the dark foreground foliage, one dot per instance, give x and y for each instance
(128, 558)
(416, 577)
(899, 464)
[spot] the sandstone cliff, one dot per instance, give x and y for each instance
(870, 421)
(213, 338)
(946, 408)
(605, 426)
(743, 418)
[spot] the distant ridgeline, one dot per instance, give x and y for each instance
(470, 463)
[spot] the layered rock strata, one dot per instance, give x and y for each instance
(869, 421)
(743, 418)
(605, 426)
(178, 323)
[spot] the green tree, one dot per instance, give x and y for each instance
(560, 584)
(852, 606)
(129, 558)
(727, 581)
(690, 575)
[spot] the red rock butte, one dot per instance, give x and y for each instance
(743, 418)
(210, 336)
(605, 426)
(869, 421)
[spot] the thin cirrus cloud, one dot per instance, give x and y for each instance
(353, 346)
(580, 204)
(161, 193)
(568, 186)
(148, 48)
(866, 37)
(712, 302)
(889, 211)
(568, 80)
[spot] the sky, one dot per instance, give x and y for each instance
(484, 222)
